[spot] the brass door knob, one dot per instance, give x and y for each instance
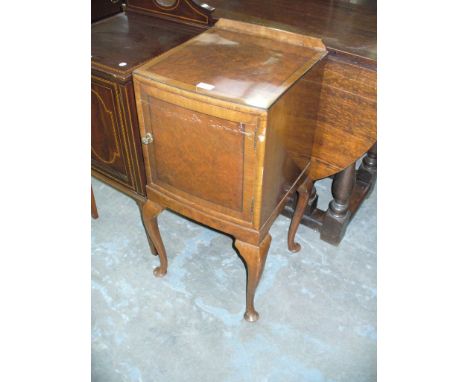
(147, 139)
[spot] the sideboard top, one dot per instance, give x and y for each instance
(122, 42)
(238, 62)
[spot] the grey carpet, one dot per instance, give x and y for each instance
(317, 307)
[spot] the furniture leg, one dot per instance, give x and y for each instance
(367, 172)
(254, 257)
(303, 196)
(94, 212)
(150, 242)
(338, 214)
(151, 210)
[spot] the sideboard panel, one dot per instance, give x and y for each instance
(108, 146)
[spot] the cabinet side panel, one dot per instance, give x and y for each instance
(289, 138)
(133, 134)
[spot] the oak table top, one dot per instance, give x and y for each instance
(344, 25)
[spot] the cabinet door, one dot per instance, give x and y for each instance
(108, 146)
(200, 154)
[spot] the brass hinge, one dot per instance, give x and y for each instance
(252, 206)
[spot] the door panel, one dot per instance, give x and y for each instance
(200, 157)
(107, 148)
(199, 154)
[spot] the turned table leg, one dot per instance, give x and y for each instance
(367, 172)
(94, 213)
(254, 257)
(338, 214)
(151, 211)
(304, 195)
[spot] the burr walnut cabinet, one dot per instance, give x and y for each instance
(227, 121)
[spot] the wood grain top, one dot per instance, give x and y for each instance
(344, 25)
(132, 39)
(242, 63)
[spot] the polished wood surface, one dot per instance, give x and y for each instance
(346, 123)
(114, 131)
(347, 117)
(150, 212)
(94, 211)
(254, 257)
(350, 188)
(118, 45)
(304, 194)
(345, 25)
(181, 11)
(254, 73)
(292, 134)
(367, 172)
(346, 126)
(131, 39)
(122, 42)
(338, 213)
(101, 9)
(202, 178)
(224, 157)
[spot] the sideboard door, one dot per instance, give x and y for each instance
(108, 151)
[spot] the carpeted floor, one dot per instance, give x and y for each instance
(317, 307)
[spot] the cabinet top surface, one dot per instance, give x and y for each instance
(123, 42)
(238, 62)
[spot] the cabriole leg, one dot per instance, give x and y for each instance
(151, 211)
(254, 257)
(304, 194)
(150, 242)
(94, 213)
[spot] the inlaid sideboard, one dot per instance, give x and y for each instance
(120, 44)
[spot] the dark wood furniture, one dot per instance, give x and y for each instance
(347, 115)
(227, 121)
(120, 44)
(346, 124)
(94, 212)
(100, 9)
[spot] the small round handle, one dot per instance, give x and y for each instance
(147, 139)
